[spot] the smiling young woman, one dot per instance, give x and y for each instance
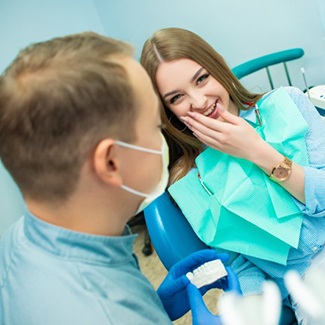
(206, 109)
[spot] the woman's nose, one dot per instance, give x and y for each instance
(198, 102)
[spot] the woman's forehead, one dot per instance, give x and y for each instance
(172, 73)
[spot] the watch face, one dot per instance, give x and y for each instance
(281, 173)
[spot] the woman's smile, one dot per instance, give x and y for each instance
(186, 86)
(212, 111)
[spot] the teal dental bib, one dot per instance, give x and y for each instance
(234, 205)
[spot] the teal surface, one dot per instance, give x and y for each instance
(262, 62)
(247, 212)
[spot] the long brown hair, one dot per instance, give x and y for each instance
(175, 43)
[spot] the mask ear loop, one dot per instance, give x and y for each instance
(135, 147)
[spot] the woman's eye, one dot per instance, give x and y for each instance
(173, 99)
(202, 78)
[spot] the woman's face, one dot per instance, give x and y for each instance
(186, 86)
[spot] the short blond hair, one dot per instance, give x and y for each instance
(58, 99)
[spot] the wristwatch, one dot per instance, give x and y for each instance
(282, 171)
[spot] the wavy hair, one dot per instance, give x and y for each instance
(175, 43)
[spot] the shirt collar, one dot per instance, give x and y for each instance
(249, 115)
(79, 246)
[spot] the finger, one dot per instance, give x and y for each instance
(204, 124)
(213, 132)
(205, 255)
(214, 140)
(200, 257)
(195, 297)
(176, 286)
(212, 123)
(229, 117)
(200, 313)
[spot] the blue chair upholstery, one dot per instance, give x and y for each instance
(171, 234)
(264, 62)
(173, 238)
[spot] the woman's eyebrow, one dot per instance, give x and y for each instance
(170, 93)
(197, 73)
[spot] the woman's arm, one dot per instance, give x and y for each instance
(250, 277)
(238, 138)
(315, 139)
(268, 158)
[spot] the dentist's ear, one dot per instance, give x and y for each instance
(106, 163)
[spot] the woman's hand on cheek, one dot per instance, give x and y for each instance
(233, 135)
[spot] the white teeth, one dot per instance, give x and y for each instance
(207, 273)
(211, 109)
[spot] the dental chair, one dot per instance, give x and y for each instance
(266, 61)
(173, 238)
(269, 60)
(241, 71)
(171, 234)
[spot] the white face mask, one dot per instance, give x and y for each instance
(161, 186)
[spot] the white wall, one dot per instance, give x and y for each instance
(26, 21)
(21, 23)
(321, 6)
(239, 29)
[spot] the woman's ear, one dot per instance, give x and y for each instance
(106, 162)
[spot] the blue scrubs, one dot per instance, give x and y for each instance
(51, 275)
